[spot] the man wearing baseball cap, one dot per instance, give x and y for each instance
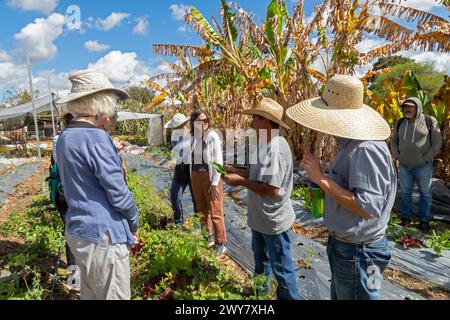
(416, 141)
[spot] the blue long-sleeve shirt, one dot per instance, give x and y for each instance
(94, 186)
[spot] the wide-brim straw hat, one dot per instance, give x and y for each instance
(341, 112)
(177, 121)
(269, 109)
(87, 82)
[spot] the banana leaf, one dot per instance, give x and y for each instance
(205, 29)
(273, 11)
(412, 88)
(228, 15)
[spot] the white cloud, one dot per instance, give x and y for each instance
(360, 71)
(89, 23)
(37, 37)
(369, 44)
(142, 27)
(113, 20)
(13, 75)
(4, 56)
(424, 5)
(184, 28)
(44, 6)
(95, 46)
(440, 60)
(122, 68)
(58, 81)
(179, 10)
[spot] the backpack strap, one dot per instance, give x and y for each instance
(399, 123)
(429, 123)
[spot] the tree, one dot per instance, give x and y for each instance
(14, 97)
(140, 96)
(430, 80)
(390, 61)
(244, 59)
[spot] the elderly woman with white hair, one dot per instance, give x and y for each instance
(102, 220)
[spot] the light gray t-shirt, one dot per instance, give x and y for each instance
(272, 215)
(365, 168)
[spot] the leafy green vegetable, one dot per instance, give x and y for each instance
(220, 169)
(439, 242)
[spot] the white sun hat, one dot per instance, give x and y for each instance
(87, 82)
(341, 112)
(178, 120)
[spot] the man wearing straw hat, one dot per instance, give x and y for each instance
(359, 189)
(102, 219)
(270, 212)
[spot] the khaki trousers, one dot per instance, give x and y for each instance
(104, 268)
(212, 210)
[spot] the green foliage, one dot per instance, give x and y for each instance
(175, 262)
(219, 168)
(152, 209)
(309, 255)
(430, 80)
(140, 97)
(390, 61)
(396, 232)
(40, 227)
(13, 97)
(25, 287)
(304, 195)
(162, 152)
(439, 242)
(137, 139)
(23, 152)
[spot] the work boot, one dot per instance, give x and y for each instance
(425, 227)
(405, 222)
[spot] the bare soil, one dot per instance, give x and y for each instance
(425, 289)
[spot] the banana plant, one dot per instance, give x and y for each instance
(389, 106)
(441, 103)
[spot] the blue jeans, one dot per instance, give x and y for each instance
(422, 176)
(273, 253)
(349, 263)
(176, 198)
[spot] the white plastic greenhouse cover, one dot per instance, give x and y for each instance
(123, 116)
(41, 104)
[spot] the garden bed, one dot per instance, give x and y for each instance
(170, 263)
(313, 283)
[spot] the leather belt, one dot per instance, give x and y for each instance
(333, 234)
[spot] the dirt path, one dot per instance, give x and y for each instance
(22, 197)
(17, 202)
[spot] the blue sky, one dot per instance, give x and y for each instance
(116, 36)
